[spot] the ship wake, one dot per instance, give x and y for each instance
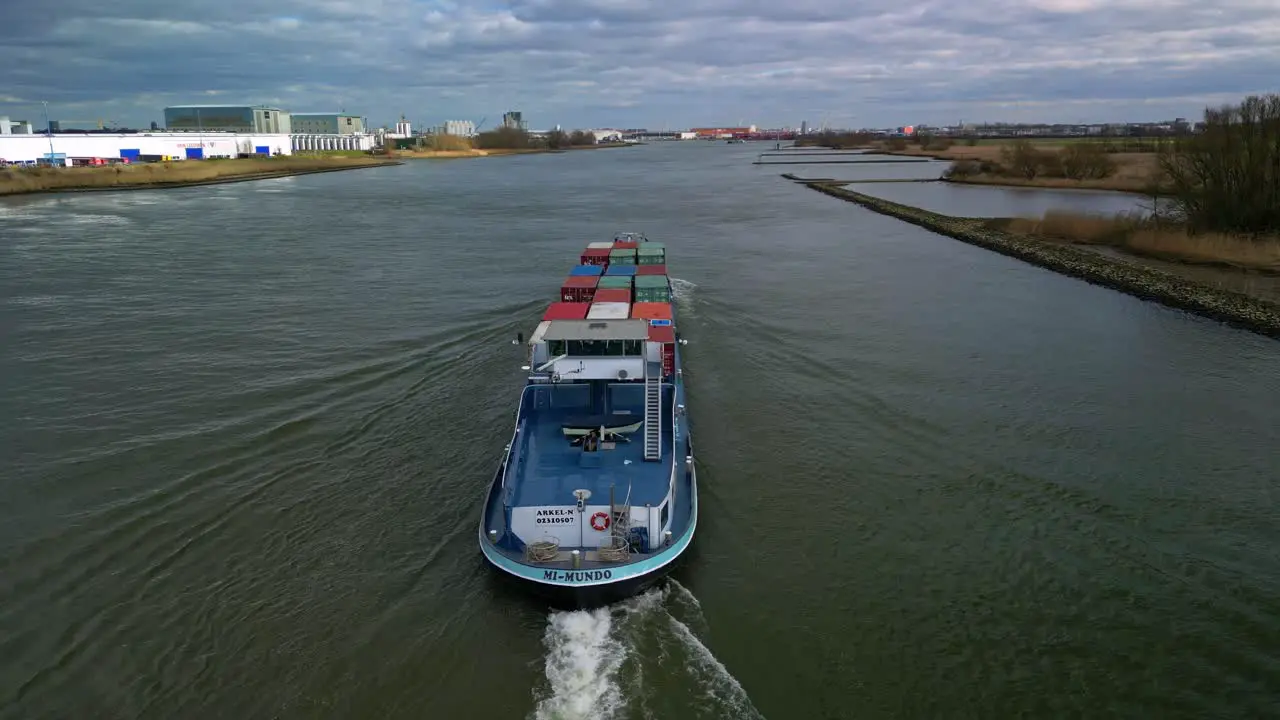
(642, 658)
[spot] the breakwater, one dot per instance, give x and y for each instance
(1148, 283)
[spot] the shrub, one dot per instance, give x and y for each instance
(1086, 161)
(963, 169)
(1026, 160)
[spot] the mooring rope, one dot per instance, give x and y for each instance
(542, 550)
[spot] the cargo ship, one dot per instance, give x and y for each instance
(596, 496)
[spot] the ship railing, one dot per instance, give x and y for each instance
(513, 446)
(618, 548)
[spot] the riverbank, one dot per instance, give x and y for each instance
(497, 152)
(184, 173)
(1186, 291)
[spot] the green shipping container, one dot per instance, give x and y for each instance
(653, 295)
(622, 257)
(652, 288)
(615, 281)
(647, 254)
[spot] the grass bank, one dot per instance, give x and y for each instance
(1144, 236)
(1144, 281)
(17, 181)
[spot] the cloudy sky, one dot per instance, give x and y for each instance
(597, 63)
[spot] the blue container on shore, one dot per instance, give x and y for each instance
(586, 270)
(625, 270)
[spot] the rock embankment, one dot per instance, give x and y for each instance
(1148, 283)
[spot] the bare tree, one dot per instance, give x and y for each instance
(1227, 178)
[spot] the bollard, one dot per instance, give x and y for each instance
(493, 536)
(666, 537)
(577, 559)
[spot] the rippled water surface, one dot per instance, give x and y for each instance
(247, 429)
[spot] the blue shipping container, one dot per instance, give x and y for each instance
(195, 153)
(625, 270)
(262, 149)
(131, 155)
(586, 270)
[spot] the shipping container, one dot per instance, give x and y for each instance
(652, 288)
(621, 270)
(595, 257)
(604, 295)
(650, 310)
(666, 335)
(600, 246)
(578, 288)
(651, 269)
(615, 281)
(588, 270)
(609, 311)
(625, 244)
(622, 257)
(651, 254)
(652, 295)
(567, 311)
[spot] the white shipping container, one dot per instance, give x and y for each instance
(600, 246)
(609, 311)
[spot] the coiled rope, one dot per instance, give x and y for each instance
(542, 550)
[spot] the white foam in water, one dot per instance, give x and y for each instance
(586, 650)
(720, 685)
(682, 294)
(687, 595)
(582, 665)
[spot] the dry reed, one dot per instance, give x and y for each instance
(1142, 236)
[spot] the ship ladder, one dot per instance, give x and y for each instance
(652, 412)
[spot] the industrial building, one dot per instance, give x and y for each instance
(14, 127)
(461, 128)
(228, 118)
(722, 132)
(82, 149)
(326, 124)
(514, 120)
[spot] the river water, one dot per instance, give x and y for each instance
(247, 429)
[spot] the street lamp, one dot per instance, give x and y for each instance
(48, 129)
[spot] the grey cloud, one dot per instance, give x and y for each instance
(596, 62)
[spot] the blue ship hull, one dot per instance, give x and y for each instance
(588, 588)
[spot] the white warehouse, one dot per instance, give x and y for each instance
(72, 149)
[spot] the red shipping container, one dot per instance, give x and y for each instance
(625, 244)
(666, 335)
(591, 256)
(579, 288)
(612, 295)
(567, 311)
(662, 334)
(651, 269)
(651, 311)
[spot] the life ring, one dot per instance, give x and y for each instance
(600, 522)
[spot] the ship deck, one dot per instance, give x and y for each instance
(548, 468)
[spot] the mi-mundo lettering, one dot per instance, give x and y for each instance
(569, 576)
